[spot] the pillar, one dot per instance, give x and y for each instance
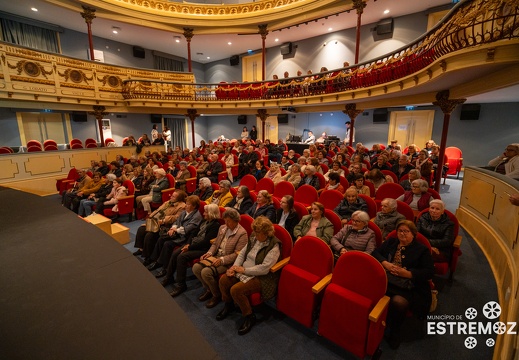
(262, 114)
(358, 5)
(192, 115)
(352, 112)
(188, 34)
(263, 32)
(99, 113)
(447, 106)
(89, 14)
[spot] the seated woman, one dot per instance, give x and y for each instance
(202, 165)
(409, 266)
(111, 200)
(242, 202)
(411, 152)
(413, 175)
(222, 196)
(192, 160)
(155, 195)
(423, 164)
(418, 198)
(315, 224)
(388, 217)
(336, 168)
(378, 178)
(358, 184)
(182, 175)
(286, 216)
(354, 236)
(259, 170)
(274, 173)
(263, 206)
(349, 204)
(166, 215)
(86, 205)
(204, 190)
(436, 226)
(231, 239)
(342, 159)
(315, 163)
(309, 177)
(381, 163)
(293, 175)
(334, 183)
(250, 273)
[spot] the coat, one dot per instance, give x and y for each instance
(440, 233)
(290, 223)
(156, 191)
(235, 242)
(266, 210)
(324, 230)
(245, 205)
(345, 209)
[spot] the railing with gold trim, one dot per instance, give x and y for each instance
(469, 24)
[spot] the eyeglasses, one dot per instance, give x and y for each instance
(356, 221)
(415, 186)
(507, 149)
(404, 232)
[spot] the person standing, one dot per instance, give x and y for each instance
(166, 134)
(253, 133)
(154, 133)
(348, 130)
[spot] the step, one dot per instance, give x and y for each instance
(120, 233)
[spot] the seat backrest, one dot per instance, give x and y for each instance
(171, 180)
(390, 173)
(286, 240)
(371, 188)
(389, 190)
(34, 148)
(344, 182)
(283, 188)
(453, 152)
(300, 209)
(34, 143)
(249, 181)
(419, 238)
(192, 171)
(435, 194)
(306, 194)
(372, 205)
(334, 219)
(90, 143)
(330, 198)
(322, 180)
(377, 231)
(6, 150)
(129, 185)
(404, 209)
(313, 255)
(265, 184)
(360, 273)
(246, 222)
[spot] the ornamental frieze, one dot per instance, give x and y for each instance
(77, 86)
(112, 81)
(30, 68)
(76, 76)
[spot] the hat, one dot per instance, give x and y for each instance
(111, 177)
(160, 171)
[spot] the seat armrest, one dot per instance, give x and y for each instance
(377, 311)
(280, 264)
(457, 241)
(317, 288)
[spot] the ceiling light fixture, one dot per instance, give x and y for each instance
(177, 38)
(34, 9)
(229, 43)
(276, 40)
(116, 29)
(330, 29)
(386, 11)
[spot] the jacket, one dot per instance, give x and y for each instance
(169, 212)
(187, 224)
(202, 241)
(208, 192)
(313, 181)
(235, 242)
(290, 223)
(362, 240)
(387, 222)
(345, 209)
(324, 230)
(266, 210)
(418, 260)
(156, 191)
(423, 202)
(223, 200)
(245, 205)
(440, 233)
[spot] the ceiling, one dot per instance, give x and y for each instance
(209, 48)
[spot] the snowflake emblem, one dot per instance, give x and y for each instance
(471, 313)
(470, 342)
(499, 328)
(491, 310)
(490, 342)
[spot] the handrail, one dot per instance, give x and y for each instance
(470, 23)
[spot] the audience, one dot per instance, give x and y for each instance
(242, 202)
(388, 216)
(315, 224)
(349, 204)
(263, 206)
(355, 236)
(286, 216)
(418, 198)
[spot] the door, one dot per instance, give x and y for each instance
(251, 69)
(41, 127)
(411, 127)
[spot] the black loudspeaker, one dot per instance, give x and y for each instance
(385, 27)
(286, 49)
(234, 60)
(78, 116)
(242, 119)
(470, 112)
(156, 119)
(282, 118)
(380, 115)
(139, 52)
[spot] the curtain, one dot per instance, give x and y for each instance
(163, 63)
(30, 36)
(178, 131)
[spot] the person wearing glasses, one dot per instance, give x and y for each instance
(418, 198)
(409, 267)
(508, 162)
(354, 236)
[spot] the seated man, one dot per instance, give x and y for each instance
(214, 168)
(82, 180)
(349, 204)
(403, 167)
(311, 138)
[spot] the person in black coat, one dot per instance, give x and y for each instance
(253, 133)
(409, 267)
(263, 206)
(215, 167)
(249, 162)
(242, 201)
(436, 226)
(349, 204)
(286, 216)
(195, 247)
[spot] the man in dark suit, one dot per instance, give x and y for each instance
(214, 168)
(403, 166)
(249, 162)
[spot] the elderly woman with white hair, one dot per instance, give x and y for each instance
(412, 176)
(388, 217)
(204, 190)
(436, 226)
(161, 183)
(418, 198)
(310, 178)
(274, 173)
(508, 162)
(293, 175)
(354, 236)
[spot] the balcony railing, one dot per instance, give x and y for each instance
(468, 24)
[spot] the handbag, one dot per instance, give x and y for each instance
(400, 282)
(208, 261)
(152, 225)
